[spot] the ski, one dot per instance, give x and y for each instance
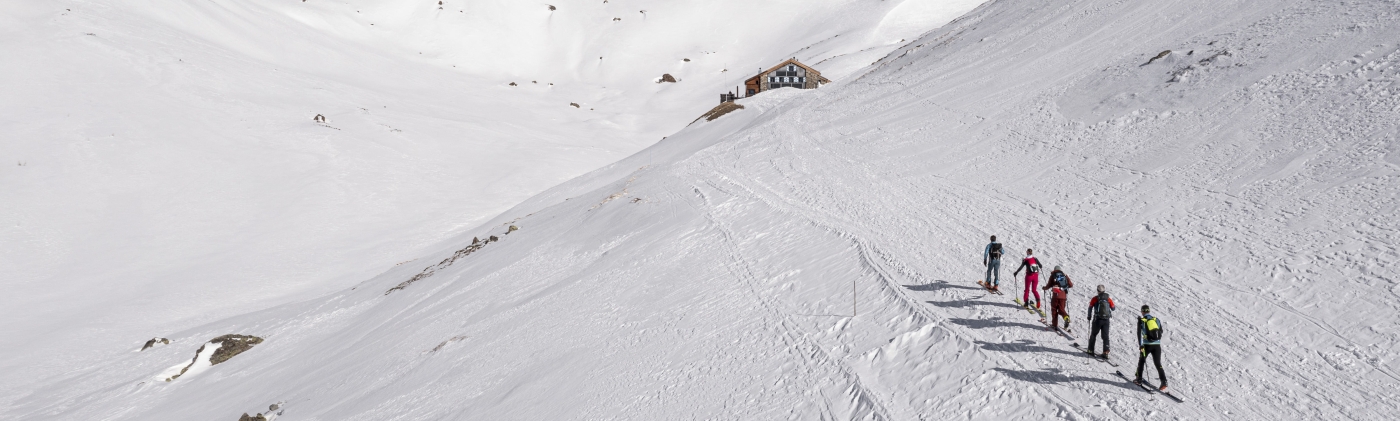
(989, 288)
(1081, 348)
(1174, 397)
(1024, 305)
(1141, 385)
(1064, 332)
(1066, 329)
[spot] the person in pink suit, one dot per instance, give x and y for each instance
(1032, 267)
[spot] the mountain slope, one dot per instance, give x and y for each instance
(1240, 184)
(163, 169)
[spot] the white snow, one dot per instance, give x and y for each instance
(186, 369)
(1244, 185)
(172, 174)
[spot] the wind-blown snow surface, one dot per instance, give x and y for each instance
(172, 174)
(1244, 185)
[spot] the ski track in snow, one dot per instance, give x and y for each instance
(1243, 185)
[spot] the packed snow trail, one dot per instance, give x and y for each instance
(1241, 185)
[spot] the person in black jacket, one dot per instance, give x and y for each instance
(1100, 313)
(1150, 343)
(991, 258)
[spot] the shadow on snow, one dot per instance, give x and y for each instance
(941, 285)
(969, 303)
(1057, 376)
(1027, 345)
(993, 322)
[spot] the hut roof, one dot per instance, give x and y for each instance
(810, 71)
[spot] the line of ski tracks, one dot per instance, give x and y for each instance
(811, 353)
(890, 271)
(814, 209)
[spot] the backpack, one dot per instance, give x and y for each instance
(996, 250)
(1033, 266)
(1153, 330)
(1059, 278)
(1102, 308)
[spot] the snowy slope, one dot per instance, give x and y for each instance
(1242, 184)
(172, 174)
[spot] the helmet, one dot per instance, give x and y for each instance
(1145, 308)
(1057, 267)
(1100, 287)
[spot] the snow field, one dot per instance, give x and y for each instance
(171, 174)
(1244, 196)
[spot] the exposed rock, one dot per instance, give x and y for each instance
(512, 84)
(667, 78)
(226, 347)
(719, 111)
(575, 104)
(232, 345)
(444, 343)
(511, 229)
(476, 244)
(1157, 57)
(551, 7)
(155, 341)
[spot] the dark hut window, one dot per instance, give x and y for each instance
(787, 77)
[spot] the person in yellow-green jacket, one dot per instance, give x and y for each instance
(1150, 343)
